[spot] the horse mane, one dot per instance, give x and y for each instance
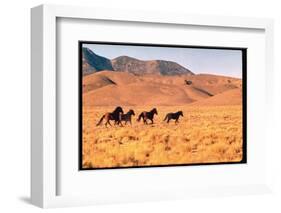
(153, 110)
(118, 109)
(131, 112)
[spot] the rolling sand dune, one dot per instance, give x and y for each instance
(136, 94)
(106, 78)
(230, 97)
(108, 88)
(214, 84)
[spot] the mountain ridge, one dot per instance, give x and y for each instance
(92, 63)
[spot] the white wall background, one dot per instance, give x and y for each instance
(15, 104)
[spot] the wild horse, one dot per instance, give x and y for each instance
(115, 116)
(174, 116)
(127, 117)
(147, 116)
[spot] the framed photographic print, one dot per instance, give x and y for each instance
(170, 105)
(128, 102)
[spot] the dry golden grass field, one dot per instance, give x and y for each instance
(206, 134)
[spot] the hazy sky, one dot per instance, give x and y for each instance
(213, 61)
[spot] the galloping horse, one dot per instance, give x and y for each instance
(174, 116)
(147, 116)
(115, 115)
(127, 117)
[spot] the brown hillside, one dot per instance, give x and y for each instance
(105, 78)
(230, 97)
(122, 88)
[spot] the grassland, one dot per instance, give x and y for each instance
(204, 135)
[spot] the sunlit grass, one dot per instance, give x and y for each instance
(203, 135)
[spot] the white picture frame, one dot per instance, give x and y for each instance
(44, 169)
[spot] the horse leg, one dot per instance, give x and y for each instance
(168, 120)
(116, 122)
(146, 121)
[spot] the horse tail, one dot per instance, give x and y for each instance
(99, 123)
(140, 116)
(165, 118)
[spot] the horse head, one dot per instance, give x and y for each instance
(131, 112)
(180, 113)
(154, 110)
(119, 110)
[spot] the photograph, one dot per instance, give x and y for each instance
(155, 105)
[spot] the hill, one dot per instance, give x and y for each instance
(139, 67)
(92, 63)
(107, 88)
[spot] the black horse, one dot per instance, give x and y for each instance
(115, 116)
(174, 116)
(147, 116)
(127, 117)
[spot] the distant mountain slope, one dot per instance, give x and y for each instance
(94, 63)
(139, 67)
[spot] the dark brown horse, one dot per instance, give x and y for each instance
(174, 116)
(115, 116)
(127, 117)
(147, 116)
